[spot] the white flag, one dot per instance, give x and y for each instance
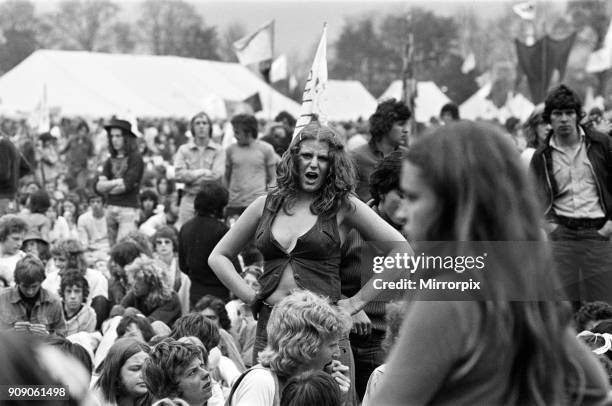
(525, 10)
(40, 119)
(601, 59)
(314, 100)
(469, 63)
(278, 70)
(257, 46)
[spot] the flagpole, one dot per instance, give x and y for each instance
(269, 79)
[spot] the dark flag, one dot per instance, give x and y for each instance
(264, 69)
(540, 60)
(255, 102)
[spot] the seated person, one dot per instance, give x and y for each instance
(148, 292)
(223, 369)
(213, 309)
(311, 388)
(27, 307)
(12, 232)
(74, 290)
(68, 253)
(179, 370)
(121, 255)
(165, 244)
(135, 326)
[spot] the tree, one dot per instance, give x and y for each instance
(231, 34)
(173, 27)
(361, 55)
(83, 24)
(18, 25)
(125, 38)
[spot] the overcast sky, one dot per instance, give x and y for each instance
(299, 22)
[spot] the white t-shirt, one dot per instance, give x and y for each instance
(257, 388)
(98, 284)
(7, 265)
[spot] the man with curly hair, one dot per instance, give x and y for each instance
(178, 370)
(390, 128)
(573, 169)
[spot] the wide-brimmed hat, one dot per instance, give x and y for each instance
(122, 124)
(36, 236)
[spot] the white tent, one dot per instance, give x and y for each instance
(478, 106)
(100, 85)
(349, 100)
(428, 102)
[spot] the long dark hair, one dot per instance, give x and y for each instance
(110, 370)
(340, 178)
(485, 195)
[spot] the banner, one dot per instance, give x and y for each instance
(540, 60)
(278, 71)
(256, 47)
(314, 99)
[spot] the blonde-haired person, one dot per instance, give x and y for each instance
(509, 342)
(303, 334)
(149, 291)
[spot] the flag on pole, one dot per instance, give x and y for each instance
(601, 59)
(314, 100)
(278, 71)
(40, 119)
(525, 10)
(256, 47)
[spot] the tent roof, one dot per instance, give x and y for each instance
(428, 102)
(349, 100)
(98, 84)
(478, 106)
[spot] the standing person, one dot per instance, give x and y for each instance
(250, 165)
(12, 167)
(300, 227)
(198, 160)
(48, 161)
(120, 180)
(507, 349)
(449, 113)
(573, 170)
(390, 127)
(194, 246)
(78, 151)
(369, 325)
(93, 229)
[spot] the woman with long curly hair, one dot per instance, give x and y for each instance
(149, 291)
(300, 227)
(510, 342)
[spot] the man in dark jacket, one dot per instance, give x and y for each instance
(120, 180)
(573, 171)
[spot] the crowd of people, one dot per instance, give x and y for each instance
(165, 265)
